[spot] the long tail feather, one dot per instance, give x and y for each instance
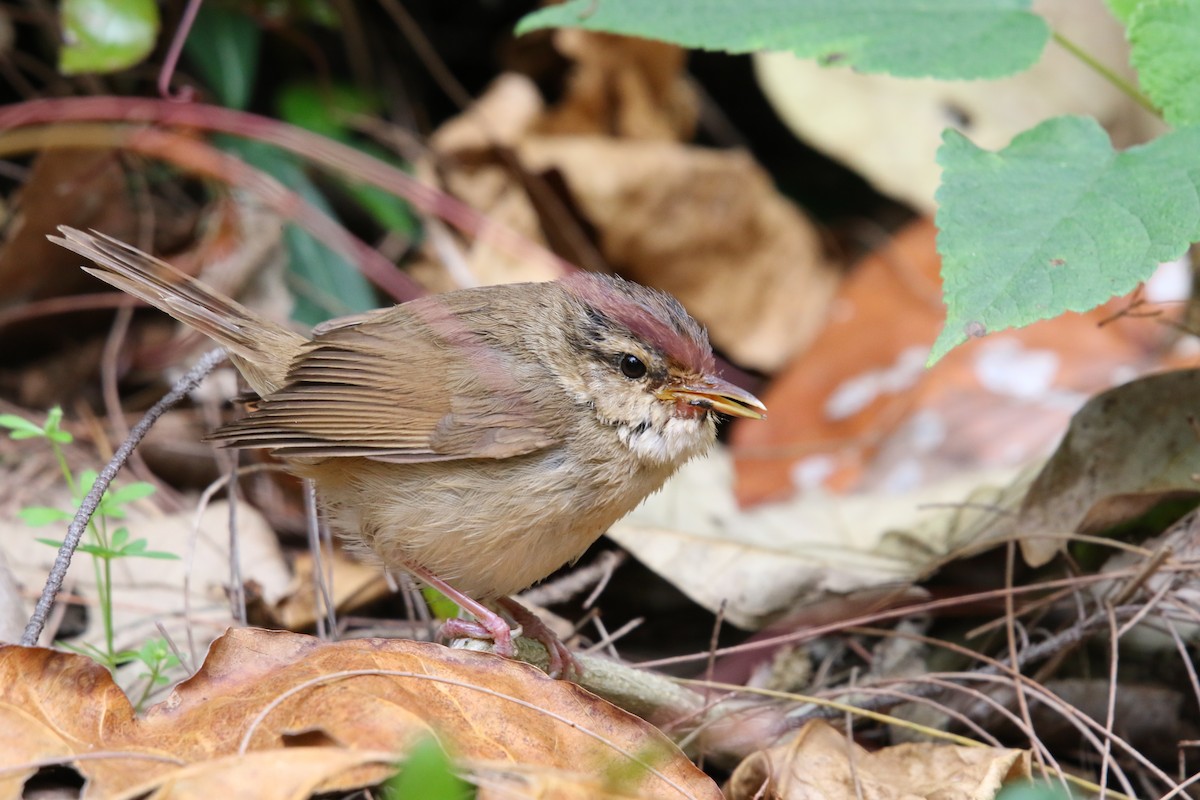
(262, 349)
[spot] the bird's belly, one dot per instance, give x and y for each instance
(487, 527)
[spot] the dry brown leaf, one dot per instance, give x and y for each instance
(83, 188)
(263, 691)
(354, 584)
(281, 774)
(706, 225)
(622, 86)
(821, 764)
(1126, 450)
(709, 227)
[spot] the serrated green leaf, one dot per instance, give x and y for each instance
(20, 425)
(38, 516)
(106, 35)
(1123, 9)
(224, 46)
(950, 39)
(1163, 37)
(1057, 221)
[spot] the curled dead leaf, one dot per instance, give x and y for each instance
(821, 764)
(268, 691)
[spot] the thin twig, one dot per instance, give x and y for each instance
(87, 508)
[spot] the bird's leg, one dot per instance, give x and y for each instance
(490, 626)
(562, 661)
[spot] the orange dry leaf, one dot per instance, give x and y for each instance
(859, 410)
(266, 692)
(821, 764)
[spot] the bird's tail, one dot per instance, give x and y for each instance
(261, 349)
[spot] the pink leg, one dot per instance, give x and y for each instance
(562, 662)
(490, 626)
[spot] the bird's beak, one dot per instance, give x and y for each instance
(716, 394)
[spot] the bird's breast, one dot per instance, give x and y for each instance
(490, 527)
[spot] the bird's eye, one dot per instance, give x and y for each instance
(632, 366)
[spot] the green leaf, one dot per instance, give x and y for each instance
(132, 491)
(324, 110)
(120, 537)
(106, 35)
(99, 551)
(326, 285)
(427, 774)
(1028, 790)
(1057, 221)
(1163, 37)
(53, 427)
(43, 515)
(951, 39)
(1123, 9)
(440, 606)
(224, 45)
(327, 111)
(20, 425)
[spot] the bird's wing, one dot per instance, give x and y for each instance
(410, 384)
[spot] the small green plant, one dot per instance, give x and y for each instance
(104, 547)
(156, 655)
(427, 774)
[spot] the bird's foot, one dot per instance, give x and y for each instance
(563, 663)
(490, 625)
(495, 630)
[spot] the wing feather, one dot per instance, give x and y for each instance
(409, 384)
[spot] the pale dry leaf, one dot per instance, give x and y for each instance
(822, 764)
(12, 606)
(149, 591)
(761, 563)
(888, 129)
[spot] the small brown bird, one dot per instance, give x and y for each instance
(478, 439)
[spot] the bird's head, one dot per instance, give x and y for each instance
(646, 368)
